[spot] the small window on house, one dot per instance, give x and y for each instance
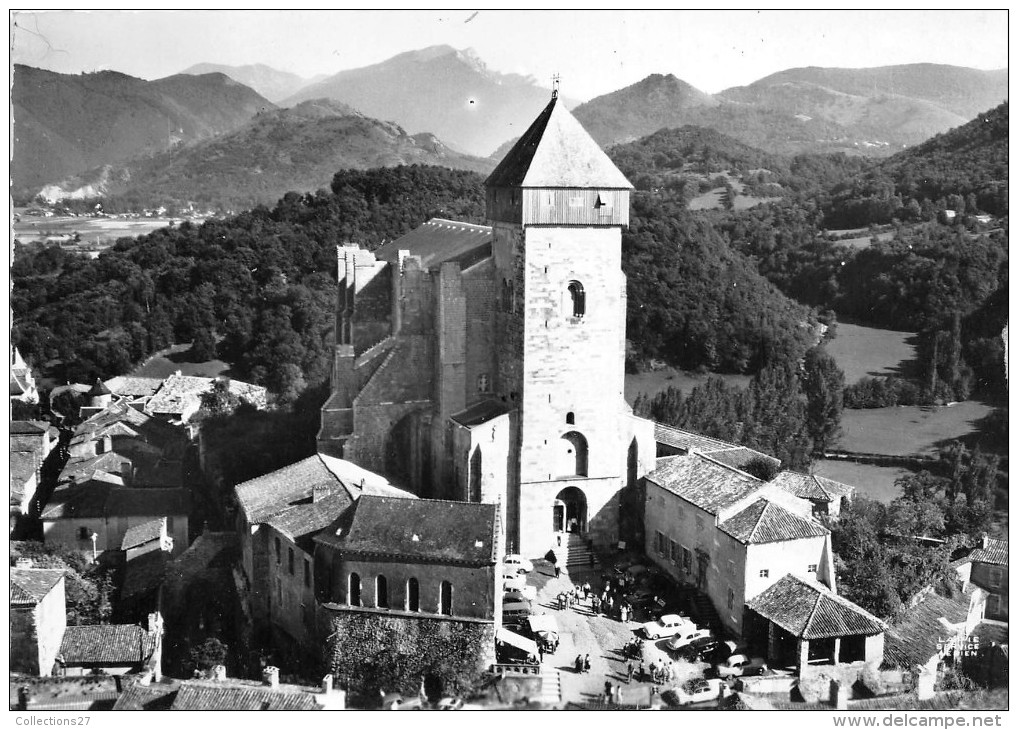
(381, 592)
(279, 552)
(307, 573)
(445, 598)
(812, 568)
(661, 542)
(571, 418)
(289, 560)
(765, 573)
(731, 599)
(84, 533)
(353, 596)
(413, 595)
(994, 577)
(578, 299)
(674, 551)
(483, 383)
(687, 560)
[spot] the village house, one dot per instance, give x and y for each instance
(111, 649)
(826, 495)
(37, 619)
(179, 396)
(986, 567)
(31, 443)
(23, 387)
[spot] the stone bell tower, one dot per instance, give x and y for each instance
(557, 205)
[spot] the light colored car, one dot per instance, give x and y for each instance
(695, 690)
(514, 582)
(527, 593)
(449, 703)
(740, 665)
(668, 625)
(518, 564)
(685, 638)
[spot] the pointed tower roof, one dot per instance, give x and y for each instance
(99, 389)
(556, 152)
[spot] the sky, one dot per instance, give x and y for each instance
(594, 52)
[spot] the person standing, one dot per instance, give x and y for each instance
(642, 675)
(586, 664)
(579, 663)
(629, 672)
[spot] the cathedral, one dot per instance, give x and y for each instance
(486, 363)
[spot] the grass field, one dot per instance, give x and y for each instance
(908, 430)
(166, 362)
(868, 351)
(870, 480)
(865, 240)
(654, 382)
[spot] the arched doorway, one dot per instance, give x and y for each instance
(569, 511)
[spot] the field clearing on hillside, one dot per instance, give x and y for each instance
(870, 480)
(655, 381)
(866, 241)
(869, 352)
(166, 362)
(908, 430)
(31, 229)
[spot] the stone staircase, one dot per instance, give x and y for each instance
(551, 686)
(703, 612)
(573, 555)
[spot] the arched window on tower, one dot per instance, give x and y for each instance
(381, 592)
(445, 598)
(570, 418)
(573, 455)
(475, 476)
(578, 299)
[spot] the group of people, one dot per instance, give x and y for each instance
(574, 595)
(582, 664)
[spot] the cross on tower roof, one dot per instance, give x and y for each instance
(554, 86)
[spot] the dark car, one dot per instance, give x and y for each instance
(698, 649)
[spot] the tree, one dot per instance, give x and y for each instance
(203, 347)
(208, 654)
(218, 401)
(824, 385)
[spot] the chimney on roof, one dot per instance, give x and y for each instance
(320, 492)
(330, 698)
(985, 541)
(271, 677)
(219, 673)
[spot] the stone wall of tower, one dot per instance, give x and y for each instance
(572, 365)
(478, 285)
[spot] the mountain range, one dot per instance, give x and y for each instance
(66, 123)
(275, 152)
(271, 83)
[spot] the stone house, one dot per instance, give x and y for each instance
(710, 525)
(112, 649)
(485, 363)
(179, 396)
(826, 495)
(37, 619)
(986, 567)
(146, 537)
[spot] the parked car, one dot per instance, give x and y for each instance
(514, 582)
(695, 690)
(740, 665)
(449, 703)
(700, 649)
(668, 625)
(527, 593)
(516, 612)
(518, 564)
(686, 637)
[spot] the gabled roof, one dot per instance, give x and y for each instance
(155, 696)
(99, 388)
(30, 585)
(116, 644)
(100, 499)
(24, 428)
(132, 386)
(703, 481)
(271, 494)
(430, 530)
(438, 241)
(917, 635)
(994, 553)
(728, 453)
(306, 519)
(812, 487)
(143, 533)
(556, 152)
(809, 610)
(764, 521)
(239, 695)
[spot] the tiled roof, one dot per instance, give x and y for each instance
(98, 388)
(273, 493)
(30, 585)
(29, 427)
(234, 695)
(438, 241)
(117, 644)
(182, 392)
(131, 386)
(915, 637)
(423, 529)
(706, 483)
(305, 519)
(98, 499)
(988, 633)
(995, 553)
(144, 574)
(809, 610)
(727, 453)
(16, 387)
(82, 468)
(812, 487)
(556, 152)
(155, 696)
(764, 521)
(143, 533)
(481, 412)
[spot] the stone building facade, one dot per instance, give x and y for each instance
(37, 619)
(486, 363)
